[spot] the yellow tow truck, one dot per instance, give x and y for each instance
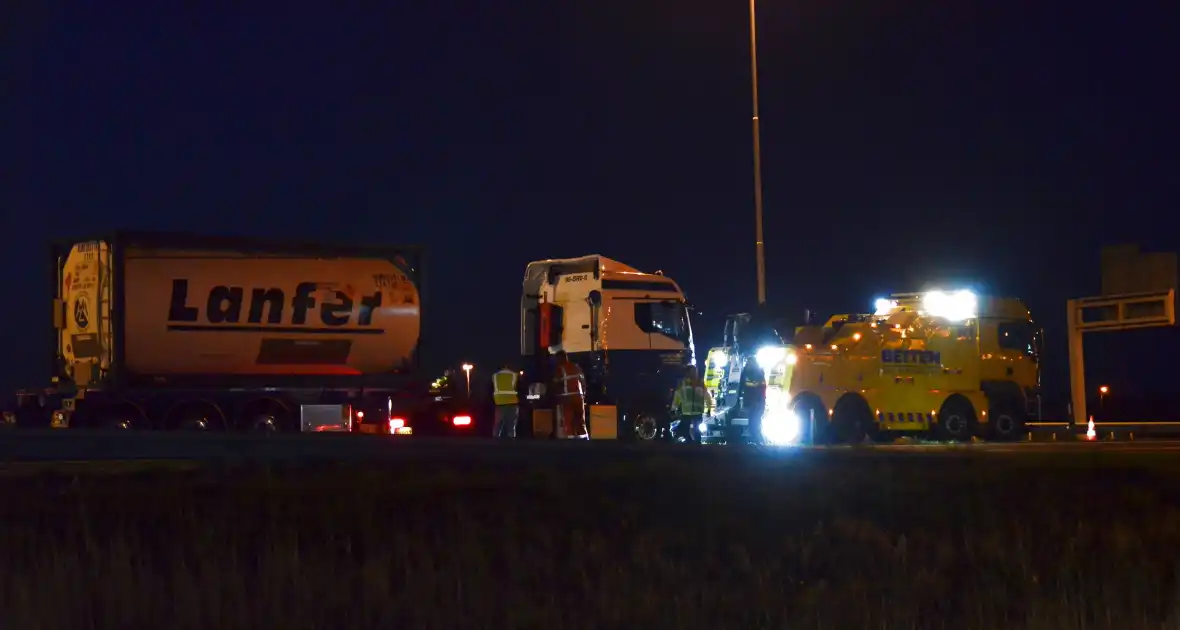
(951, 365)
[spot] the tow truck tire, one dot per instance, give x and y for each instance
(851, 419)
(803, 407)
(956, 420)
(1006, 424)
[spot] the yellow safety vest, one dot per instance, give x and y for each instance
(505, 383)
(690, 399)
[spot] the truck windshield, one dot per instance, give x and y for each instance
(665, 318)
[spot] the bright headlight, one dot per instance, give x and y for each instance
(781, 426)
(769, 356)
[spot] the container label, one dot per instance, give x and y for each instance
(227, 308)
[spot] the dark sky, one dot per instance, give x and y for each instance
(995, 143)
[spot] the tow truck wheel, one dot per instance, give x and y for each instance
(851, 419)
(956, 420)
(1005, 425)
(808, 408)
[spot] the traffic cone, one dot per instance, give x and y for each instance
(1091, 434)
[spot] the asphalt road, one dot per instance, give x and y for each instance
(83, 446)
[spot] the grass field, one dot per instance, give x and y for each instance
(823, 542)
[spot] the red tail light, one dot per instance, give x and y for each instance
(396, 423)
(462, 421)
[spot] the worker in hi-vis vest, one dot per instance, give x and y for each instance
(507, 402)
(571, 397)
(689, 403)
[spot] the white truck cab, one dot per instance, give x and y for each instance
(629, 331)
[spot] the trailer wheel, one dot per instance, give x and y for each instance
(266, 416)
(196, 416)
(193, 421)
(119, 418)
(115, 422)
(264, 422)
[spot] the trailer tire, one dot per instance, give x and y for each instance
(114, 423)
(266, 416)
(120, 417)
(195, 415)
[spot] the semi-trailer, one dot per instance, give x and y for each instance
(177, 331)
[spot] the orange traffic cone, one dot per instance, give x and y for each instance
(1091, 434)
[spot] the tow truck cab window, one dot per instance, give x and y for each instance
(666, 318)
(1022, 337)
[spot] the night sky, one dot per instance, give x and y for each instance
(990, 143)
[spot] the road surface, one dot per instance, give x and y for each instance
(83, 446)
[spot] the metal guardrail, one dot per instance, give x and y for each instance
(1104, 430)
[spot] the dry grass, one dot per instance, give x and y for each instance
(817, 543)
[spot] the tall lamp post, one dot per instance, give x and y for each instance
(467, 370)
(758, 242)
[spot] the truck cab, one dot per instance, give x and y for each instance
(628, 330)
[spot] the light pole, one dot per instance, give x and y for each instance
(1102, 392)
(467, 369)
(758, 243)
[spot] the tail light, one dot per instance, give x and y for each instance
(360, 415)
(461, 421)
(396, 423)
